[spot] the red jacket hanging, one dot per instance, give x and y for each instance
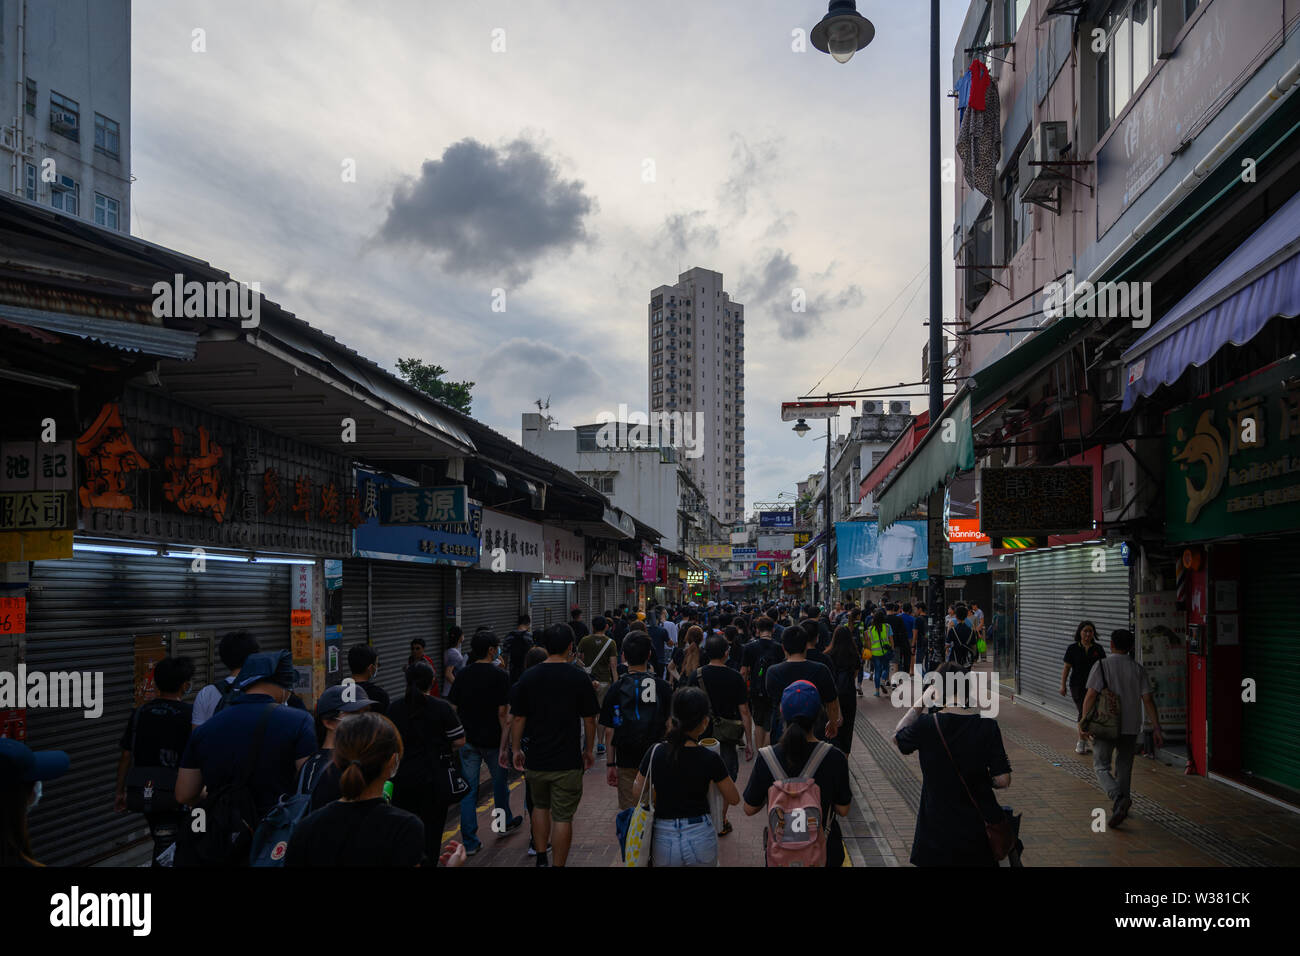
(979, 84)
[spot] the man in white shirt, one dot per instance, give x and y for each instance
(668, 625)
(233, 650)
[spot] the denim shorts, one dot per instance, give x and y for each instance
(685, 842)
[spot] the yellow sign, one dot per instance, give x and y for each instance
(35, 545)
(801, 538)
(722, 551)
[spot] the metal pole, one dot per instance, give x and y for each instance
(934, 603)
(826, 571)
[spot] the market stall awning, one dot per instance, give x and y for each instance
(945, 450)
(1258, 282)
(128, 336)
(897, 453)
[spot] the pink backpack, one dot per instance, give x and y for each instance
(796, 832)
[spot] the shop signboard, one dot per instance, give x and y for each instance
(564, 553)
(428, 505)
(457, 545)
(776, 519)
(1032, 501)
(715, 551)
(647, 568)
(626, 565)
(867, 558)
(602, 555)
(37, 502)
(744, 554)
(1162, 651)
(511, 544)
(1232, 459)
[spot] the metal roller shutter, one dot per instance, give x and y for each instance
(356, 628)
(405, 603)
(1057, 590)
(550, 602)
(84, 614)
(609, 592)
(488, 599)
(1271, 655)
(584, 598)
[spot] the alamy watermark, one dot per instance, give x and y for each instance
(977, 690)
(208, 300)
(1102, 300)
(56, 689)
(683, 430)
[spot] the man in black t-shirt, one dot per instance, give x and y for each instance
(363, 661)
(515, 647)
(553, 701)
(798, 667)
(633, 717)
(480, 695)
(758, 655)
(902, 639)
(729, 705)
(155, 736)
(575, 624)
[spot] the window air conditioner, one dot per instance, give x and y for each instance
(1110, 382)
(1118, 483)
(1038, 183)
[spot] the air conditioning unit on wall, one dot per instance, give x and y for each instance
(1118, 484)
(1038, 184)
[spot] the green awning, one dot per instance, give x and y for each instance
(1028, 358)
(943, 452)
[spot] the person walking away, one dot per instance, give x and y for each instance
(681, 772)
(977, 622)
(665, 645)
(960, 644)
(960, 751)
(152, 741)
(860, 642)
(730, 725)
(320, 775)
(686, 658)
(1079, 659)
(795, 667)
(1127, 679)
(535, 656)
(846, 662)
(812, 652)
(576, 625)
(481, 696)
(234, 648)
(901, 637)
(553, 702)
(760, 656)
(363, 662)
(599, 656)
(246, 757)
(361, 828)
(634, 717)
(797, 750)
(23, 771)
(431, 731)
(909, 629)
(453, 661)
(880, 640)
(515, 647)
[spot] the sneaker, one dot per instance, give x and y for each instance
(726, 828)
(877, 691)
(1087, 746)
(471, 850)
(1080, 747)
(531, 851)
(859, 691)
(1122, 807)
(600, 749)
(514, 825)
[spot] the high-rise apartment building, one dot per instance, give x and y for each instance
(697, 368)
(65, 106)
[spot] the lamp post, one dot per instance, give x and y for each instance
(801, 429)
(841, 33)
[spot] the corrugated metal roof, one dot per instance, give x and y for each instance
(129, 336)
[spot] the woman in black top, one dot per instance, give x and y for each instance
(736, 635)
(949, 827)
(361, 828)
(431, 733)
(680, 771)
(846, 665)
(1079, 660)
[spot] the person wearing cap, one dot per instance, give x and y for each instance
(797, 666)
(22, 773)
(221, 751)
(320, 776)
(801, 711)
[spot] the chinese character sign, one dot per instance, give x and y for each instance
(195, 483)
(433, 506)
(565, 554)
(108, 456)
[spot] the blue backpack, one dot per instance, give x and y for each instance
(271, 838)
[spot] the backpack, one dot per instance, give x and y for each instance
(796, 833)
(229, 814)
(271, 839)
(768, 658)
(963, 649)
(727, 730)
(228, 693)
(636, 719)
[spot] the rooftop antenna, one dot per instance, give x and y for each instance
(543, 408)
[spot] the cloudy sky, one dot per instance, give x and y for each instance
(384, 168)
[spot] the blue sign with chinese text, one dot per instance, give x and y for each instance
(437, 505)
(455, 544)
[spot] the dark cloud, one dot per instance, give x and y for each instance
(489, 211)
(748, 166)
(772, 291)
(531, 369)
(686, 232)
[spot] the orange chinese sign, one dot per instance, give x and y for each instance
(195, 483)
(109, 456)
(13, 615)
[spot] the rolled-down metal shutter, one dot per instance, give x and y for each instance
(1057, 590)
(489, 600)
(583, 599)
(1271, 655)
(609, 590)
(84, 615)
(405, 603)
(550, 603)
(356, 628)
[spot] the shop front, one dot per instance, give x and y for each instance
(552, 596)
(492, 592)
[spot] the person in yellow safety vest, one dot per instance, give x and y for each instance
(882, 650)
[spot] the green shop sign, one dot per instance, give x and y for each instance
(1232, 463)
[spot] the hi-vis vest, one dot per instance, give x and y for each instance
(880, 642)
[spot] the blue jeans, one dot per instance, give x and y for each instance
(685, 843)
(880, 669)
(471, 758)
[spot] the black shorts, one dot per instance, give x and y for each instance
(760, 709)
(1079, 693)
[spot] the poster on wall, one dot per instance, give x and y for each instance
(1162, 650)
(149, 650)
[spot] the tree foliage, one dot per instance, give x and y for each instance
(428, 379)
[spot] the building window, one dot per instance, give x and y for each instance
(978, 252)
(1132, 44)
(602, 481)
(30, 186)
(1014, 12)
(1015, 214)
(106, 211)
(66, 195)
(29, 100)
(107, 136)
(65, 117)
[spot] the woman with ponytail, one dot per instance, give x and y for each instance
(431, 733)
(680, 771)
(361, 828)
(686, 658)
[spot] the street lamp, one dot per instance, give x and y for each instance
(843, 31)
(803, 428)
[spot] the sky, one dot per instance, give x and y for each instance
(495, 187)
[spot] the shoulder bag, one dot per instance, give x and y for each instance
(149, 789)
(635, 825)
(1103, 718)
(1002, 834)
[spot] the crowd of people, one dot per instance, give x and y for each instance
(670, 697)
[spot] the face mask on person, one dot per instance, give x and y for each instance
(36, 796)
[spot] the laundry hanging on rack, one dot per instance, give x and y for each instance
(963, 96)
(979, 137)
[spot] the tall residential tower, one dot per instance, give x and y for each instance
(697, 365)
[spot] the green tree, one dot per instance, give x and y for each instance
(428, 379)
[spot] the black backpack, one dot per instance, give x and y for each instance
(228, 693)
(774, 655)
(637, 719)
(229, 814)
